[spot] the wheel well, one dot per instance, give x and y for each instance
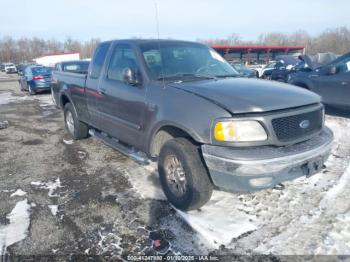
(163, 135)
(64, 100)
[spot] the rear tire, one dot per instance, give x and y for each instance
(20, 86)
(76, 128)
(30, 90)
(181, 167)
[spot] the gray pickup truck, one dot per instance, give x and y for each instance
(181, 104)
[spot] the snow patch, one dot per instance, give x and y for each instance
(220, 220)
(333, 193)
(68, 142)
(19, 192)
(53, 209)
(5, 98)
(17, 229)
(51, 186)
(215, 229)
(145, 181)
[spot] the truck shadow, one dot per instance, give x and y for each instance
(341, 112)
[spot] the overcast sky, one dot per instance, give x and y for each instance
(179, 19)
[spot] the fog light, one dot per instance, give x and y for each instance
(260, 182)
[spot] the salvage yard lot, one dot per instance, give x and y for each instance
(82, 197)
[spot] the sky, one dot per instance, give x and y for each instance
(178, 19)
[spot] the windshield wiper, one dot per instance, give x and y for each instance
(179, 76)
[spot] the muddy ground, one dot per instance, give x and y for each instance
(81, 200)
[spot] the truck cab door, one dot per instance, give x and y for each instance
(93, 93)
(123, 105)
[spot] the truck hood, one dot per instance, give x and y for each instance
(243, 95)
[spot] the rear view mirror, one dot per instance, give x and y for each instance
(130, 76)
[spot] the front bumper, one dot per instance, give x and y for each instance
(255, 168)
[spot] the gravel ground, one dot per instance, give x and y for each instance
(83, 198)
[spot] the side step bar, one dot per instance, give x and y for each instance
(138, 156)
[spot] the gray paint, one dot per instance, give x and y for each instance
(134, 114)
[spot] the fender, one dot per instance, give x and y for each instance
(165, 123)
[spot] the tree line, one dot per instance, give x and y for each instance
(26, 49)
(335, 40)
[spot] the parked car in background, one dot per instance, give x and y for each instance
(244, 71)
(21, 67)
(10, 68)
(35, 79)
(76, 66)
(331, 81)
(181, 104)
(269, 67)
(257, 67)
(280, 70)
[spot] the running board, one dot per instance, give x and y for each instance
(137, 156)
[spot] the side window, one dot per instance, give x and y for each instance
(122, 57)
(271, 65)
(343, 66)
(98, 60)
(28, 71)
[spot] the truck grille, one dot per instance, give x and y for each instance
(298, 126)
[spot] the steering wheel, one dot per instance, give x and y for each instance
(206, 67)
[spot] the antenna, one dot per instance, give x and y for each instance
(157, 19)
(157, 28)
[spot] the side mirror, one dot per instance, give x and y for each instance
(331, 70)
(130, 76)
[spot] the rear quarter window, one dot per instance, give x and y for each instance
(98, 60)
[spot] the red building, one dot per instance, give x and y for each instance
(255, 54)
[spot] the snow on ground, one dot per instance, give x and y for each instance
(53, 209)
(5, 98)
(19, 192)
(17, 229)
(311, 215)
(146, 183)
(68, 142)
(44, 100)
(220, 220)
(51, 186)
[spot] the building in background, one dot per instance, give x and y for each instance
(256, 54)
(51, 59)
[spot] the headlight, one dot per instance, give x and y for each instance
(239, 131)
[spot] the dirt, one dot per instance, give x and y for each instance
(99, 212)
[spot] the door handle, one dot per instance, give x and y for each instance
(344, 83)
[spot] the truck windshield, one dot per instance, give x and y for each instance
(178, 60)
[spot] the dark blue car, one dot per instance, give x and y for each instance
(35, 79)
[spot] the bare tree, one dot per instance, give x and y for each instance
(24, 49)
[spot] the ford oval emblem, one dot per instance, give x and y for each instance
(304, 124)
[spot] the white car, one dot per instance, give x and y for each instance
(10, 68)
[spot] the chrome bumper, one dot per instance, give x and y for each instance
(255, 168)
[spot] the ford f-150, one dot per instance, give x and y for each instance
(181, 104)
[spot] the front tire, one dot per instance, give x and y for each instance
(76, 128)
(183, 176)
